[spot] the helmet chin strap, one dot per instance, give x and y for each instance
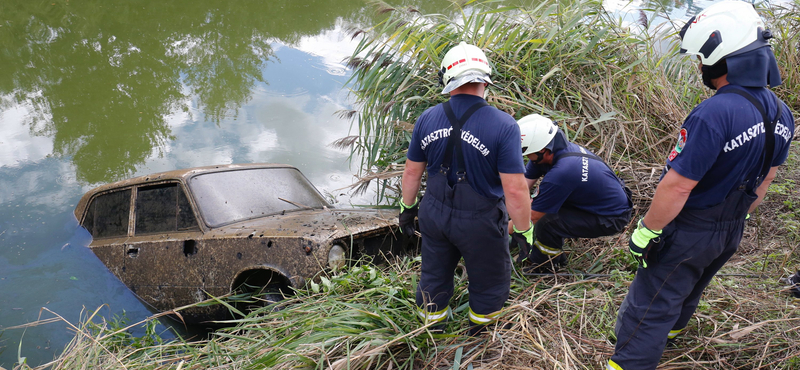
(539, 157)
(712, 72)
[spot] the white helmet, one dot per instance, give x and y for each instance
(535, 132)
(724, 29)
(462, 64)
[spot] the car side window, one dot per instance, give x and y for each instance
(108, 214)
(163, 208)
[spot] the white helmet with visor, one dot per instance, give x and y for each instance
(724, 29)
(462, 64)
(536, 132)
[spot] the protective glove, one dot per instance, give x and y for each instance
(407, 216)
(533, 259)
(644, 241)
(524, 239)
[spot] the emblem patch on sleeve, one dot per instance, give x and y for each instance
(679, 146)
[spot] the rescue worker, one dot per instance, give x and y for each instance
(578, 197)
(471, 153)
(726, 156)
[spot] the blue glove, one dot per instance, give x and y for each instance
(407, 216)
(524, 239)
(644, 243)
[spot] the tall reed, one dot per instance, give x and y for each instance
(616, 87)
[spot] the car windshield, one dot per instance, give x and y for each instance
(231, 196)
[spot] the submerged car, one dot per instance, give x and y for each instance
(181, 237)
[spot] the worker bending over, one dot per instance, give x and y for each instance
(579, 196)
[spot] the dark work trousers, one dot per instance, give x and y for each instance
(456, 221)
(663, 296)
(571, 222)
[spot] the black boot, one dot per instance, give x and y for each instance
(476, 330)
(539, 262)
(438, 328)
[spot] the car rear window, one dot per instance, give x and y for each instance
(232, 196)
(163, 208)
(108, 214)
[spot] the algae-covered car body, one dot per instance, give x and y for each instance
(180, 237)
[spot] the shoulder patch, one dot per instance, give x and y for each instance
(681, 140)
(679, 146)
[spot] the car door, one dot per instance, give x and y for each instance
(159, 258)
(107, 218)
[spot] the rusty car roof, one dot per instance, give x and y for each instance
(180, 175)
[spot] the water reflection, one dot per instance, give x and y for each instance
(100, 78)
(95, 91)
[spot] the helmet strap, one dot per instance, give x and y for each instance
(539, 156)
(713, 72)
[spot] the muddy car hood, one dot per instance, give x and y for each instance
(320, 224)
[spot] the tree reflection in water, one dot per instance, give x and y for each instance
(99, 76)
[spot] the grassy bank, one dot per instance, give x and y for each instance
(363, 317)
(609, 89)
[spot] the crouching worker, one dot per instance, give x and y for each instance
(579, 196)
(471, 153)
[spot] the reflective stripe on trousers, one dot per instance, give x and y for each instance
(429, 317)
(547, 251)
(663, 297)
(455, 222)
(482, 319)
(612, 366)
(674, 333)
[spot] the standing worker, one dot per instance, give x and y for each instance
(579, 196)
(471, 151)
(727, 154)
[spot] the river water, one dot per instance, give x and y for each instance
(96, 91)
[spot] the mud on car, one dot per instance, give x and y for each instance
(181, 237)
